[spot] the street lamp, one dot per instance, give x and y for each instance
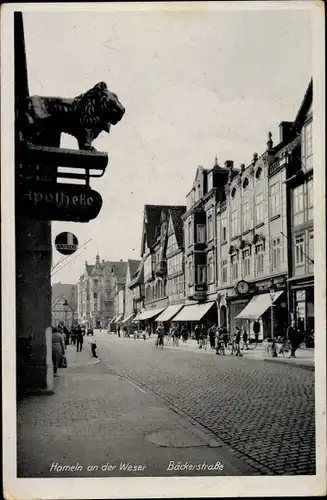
(66, 306)
(272, 293)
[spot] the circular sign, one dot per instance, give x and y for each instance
(66, 243)
(242, 287)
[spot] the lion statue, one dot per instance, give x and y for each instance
(84, 117)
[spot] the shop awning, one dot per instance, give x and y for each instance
(150, 314)
(193, 312)
(128, 318)
(118, 318)
(135, 320)
(257, 306)
(113, 320)
(169, 313)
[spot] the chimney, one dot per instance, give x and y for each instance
(270, 142)
(284, 130)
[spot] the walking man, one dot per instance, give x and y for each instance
(293, 336)
(79, 339)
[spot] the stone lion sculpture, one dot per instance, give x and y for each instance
(84, 117)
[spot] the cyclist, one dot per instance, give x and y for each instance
(203, 337)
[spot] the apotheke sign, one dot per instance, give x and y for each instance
(65, 202)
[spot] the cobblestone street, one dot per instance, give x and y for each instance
(263, 411)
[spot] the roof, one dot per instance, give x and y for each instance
(305, 105)
(67, 291)
(152, 214)
(133, 266)
(176, 214)
(138, 276)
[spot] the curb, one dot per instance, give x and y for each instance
(87, 363)
(294, 365)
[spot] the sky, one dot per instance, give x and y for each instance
(194, 85)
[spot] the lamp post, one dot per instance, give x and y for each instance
(272, 293)
(66, 306)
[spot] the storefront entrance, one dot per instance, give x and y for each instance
(304, 313)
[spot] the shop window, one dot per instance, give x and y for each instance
(274, 199)
(299, 249)
(259, 215)
(234, 265)
(276, 254)
(259, 259)
(200, 233)
(246, 262)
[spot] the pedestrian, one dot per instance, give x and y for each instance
(58, 350)
(79, 339)
(236, 343)
(244, 337)
(197, 334)
(212, 336)
(184, 334)
(66, 334)
(94, 348)
(256, 330)
(293, 335)
(148, 331)
(203, 337)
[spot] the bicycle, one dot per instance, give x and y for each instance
(277, 347)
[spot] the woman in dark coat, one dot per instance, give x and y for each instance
(58, 350)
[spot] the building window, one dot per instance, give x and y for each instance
(223, 230)
(233, 193)
(298, 205)
(259, 216)
(274, 195)
(224, 271)
(259, 255)
(299, 249)
(174, 264)
(210, 273)
(234, 264)
(209, 227)
(245, 183)
(246, 262)
(235, 231)
(246, 216)
(258, 173)
(200, 233)
(310, 199)
(201, 274)
(276, 254)
(171, 244)
(190, 273)
(189, 233)
(307, 144)
(311, 250)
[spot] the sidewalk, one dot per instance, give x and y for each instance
(99, 423)
(304, 356)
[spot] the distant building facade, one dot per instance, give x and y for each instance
(97, 289)
(64, 304)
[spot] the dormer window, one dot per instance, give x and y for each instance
(258, 173)
(245, 183)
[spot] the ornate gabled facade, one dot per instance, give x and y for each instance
(64, 304)
(97, 288)
(162, 246)
(130, 306)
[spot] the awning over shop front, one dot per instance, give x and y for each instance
(118, 318)
(150, 314)
(193, 312)
(257, 306)
(169, 313)
(111, 322)
(136, 319)
(128, 318)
